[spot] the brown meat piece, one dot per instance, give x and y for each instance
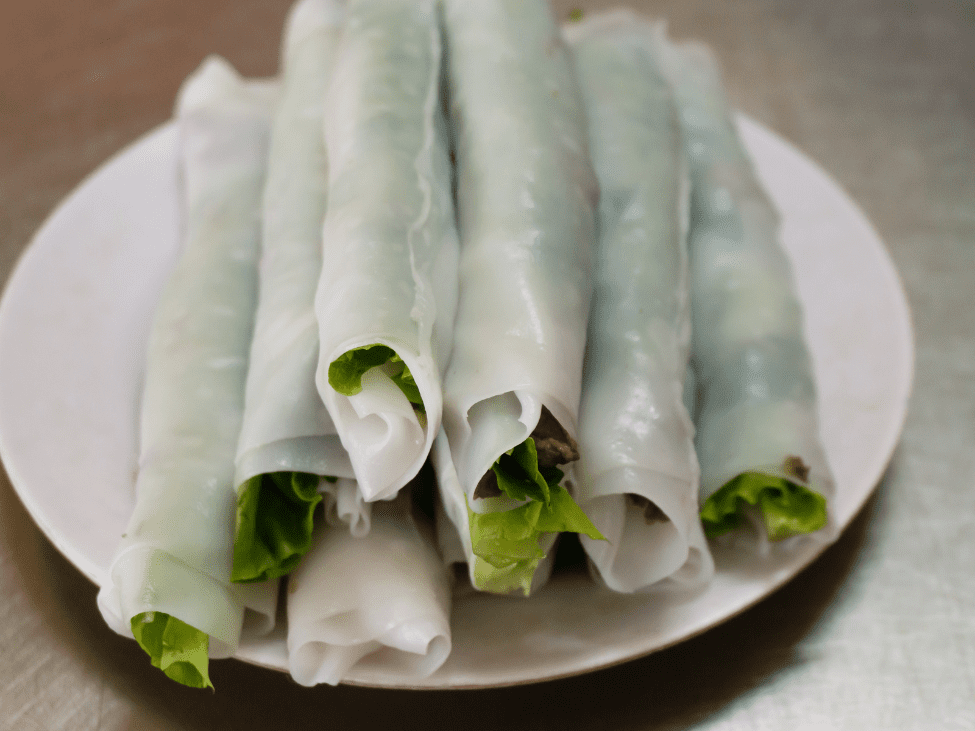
(553, 443)
(487, 486)
(795, 467)
(651, 513)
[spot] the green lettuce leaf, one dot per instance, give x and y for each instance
(174, 647)
(407, 384)
(519, 477)
(345, 372)
(274, 524)
(787, 508)
(506, 543)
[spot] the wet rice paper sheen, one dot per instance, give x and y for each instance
(286, 426)
(381, 600)
(389, 272)
(635, 434)
(175, 556)
(526, 209)
(757, 407)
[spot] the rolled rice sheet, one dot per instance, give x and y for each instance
(288, 440)
(175, 556)
(638, 473)
(380, 600)
(526, 206)
(757, 423)
(345, 508)
(389, 242)
(286, 425)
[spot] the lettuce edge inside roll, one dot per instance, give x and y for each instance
(345, 372)
(506, 543)
(785, 507)
(176, 648)
(274, 524)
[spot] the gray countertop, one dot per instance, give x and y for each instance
(879, 633)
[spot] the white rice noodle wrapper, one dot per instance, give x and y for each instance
(389, 237)
(636, 437)
(345, 507)
(453, 528)
(286, 425)
(526, 208)
(176, 554)
(757, 408)
(452, 548)
(382, 600)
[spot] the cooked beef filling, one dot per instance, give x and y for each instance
(651, 513)
(795, 467)
(553, 443)
(487, 486)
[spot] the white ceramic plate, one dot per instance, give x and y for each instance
(74, 322)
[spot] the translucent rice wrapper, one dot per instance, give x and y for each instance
(638, 473)
(389, 274)
(757, 409)
(382, 599)
(175, 556)
(286, 427)
(526, 209)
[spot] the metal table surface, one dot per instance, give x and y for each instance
(879, 633)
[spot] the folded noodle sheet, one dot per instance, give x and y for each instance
(169, 583)
(637, 474)
(288, 442)
(388, 289)
(758, 436)
(380, 601)
(526, 197)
